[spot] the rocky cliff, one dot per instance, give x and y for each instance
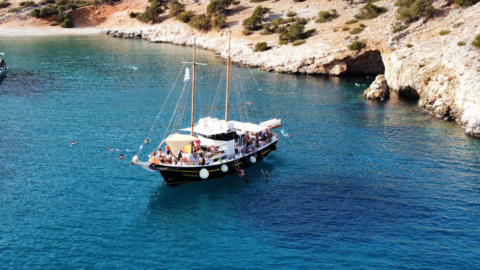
(419, 63)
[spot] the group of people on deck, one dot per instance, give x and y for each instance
(255, 140)
(197, 157)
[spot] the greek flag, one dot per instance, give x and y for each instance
(187, 75)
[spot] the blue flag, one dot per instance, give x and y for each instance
(187, 75)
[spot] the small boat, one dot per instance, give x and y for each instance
(3, 65)
(214, 148)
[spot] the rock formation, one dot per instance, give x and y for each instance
(378, 90)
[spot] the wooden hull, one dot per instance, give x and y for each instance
(177, 175)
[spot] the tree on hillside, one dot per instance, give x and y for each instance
(176, 8)
(256, 19)
(219, 6)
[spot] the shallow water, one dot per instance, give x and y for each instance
(357, 185)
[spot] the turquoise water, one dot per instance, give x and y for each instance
(357, 185)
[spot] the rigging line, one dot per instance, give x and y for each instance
(181, 110)
(253, 77)
(160, 112)
(244, 102)
(216, 94)
(171, 119)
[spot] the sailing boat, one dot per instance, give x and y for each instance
(3, 65)
(214, 148)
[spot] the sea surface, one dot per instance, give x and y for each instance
(357, 184)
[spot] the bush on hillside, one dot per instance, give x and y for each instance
(357, 45)
(296, 32)
(327, 16)
(351, 21)
(345, 28)
(444, 32)
(399, 27)
(261, 46)
(152, 12)
(220, 21)
(176, 8)
(67, 24)
(409, 45)
(466, 3)
(4, 4)
(247, 32)
(200, 22)
(257, 1)
(411, 10)
(256, 19)
(54, 23)
(185, 16)
(476, 42)
(370, 11)
(219, 6)
(356, 30)
(133, 15)
(291, 13)
(298, 43)
(461, 43)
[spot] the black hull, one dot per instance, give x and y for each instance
(177, 175)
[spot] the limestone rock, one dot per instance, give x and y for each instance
(378, 90)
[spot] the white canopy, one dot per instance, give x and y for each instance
(178, 141)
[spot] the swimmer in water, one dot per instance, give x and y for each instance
(267, 175)
(73, 143)
(121, 156)
(242, 172)
(147, 141)
(110, 149)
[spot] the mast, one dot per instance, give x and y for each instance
(193, 84)
(228, 77)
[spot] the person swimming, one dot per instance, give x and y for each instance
(121, 156)
(110, 149)
(74, 143)
(147, 141)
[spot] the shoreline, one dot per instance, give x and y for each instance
(43, 31)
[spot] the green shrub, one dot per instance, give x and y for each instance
(200, 22)
(257, 1)
(399, 27)
(298, 43)
(35, 13)
(351, 21)
(261, 46)
(466, 3)
(152, 12)
(15, 9)
(345, 28)
(266, 30)
(256, 19)
(4, 4)
(185, 16)
(283, 42)
(356, 30)
(54, 23)
(461, 43)
(219, 6)
(476, 41)
(67, 24)
(247, 32)
(370, 11)
(411, 10)
(296, 1)
(176, 8)
(220, 21)
(444, 32)
(276, 21)
(291, 13)
(27, 4)
(327, 16)
(357, 45)
(458, 24)
(289, 20)
(133, 15)
(296, 32)
(362, 25)
(409, 45)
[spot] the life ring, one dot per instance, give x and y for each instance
(253, 159)
(224, 168)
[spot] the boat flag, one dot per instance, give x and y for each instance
(187, 75)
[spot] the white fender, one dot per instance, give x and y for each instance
(224, 168)
(204, 173)
(253, 159)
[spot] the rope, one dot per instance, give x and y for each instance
(160, 112)
(253, 77)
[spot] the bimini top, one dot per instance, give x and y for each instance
(210, 126)
(178, 141)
